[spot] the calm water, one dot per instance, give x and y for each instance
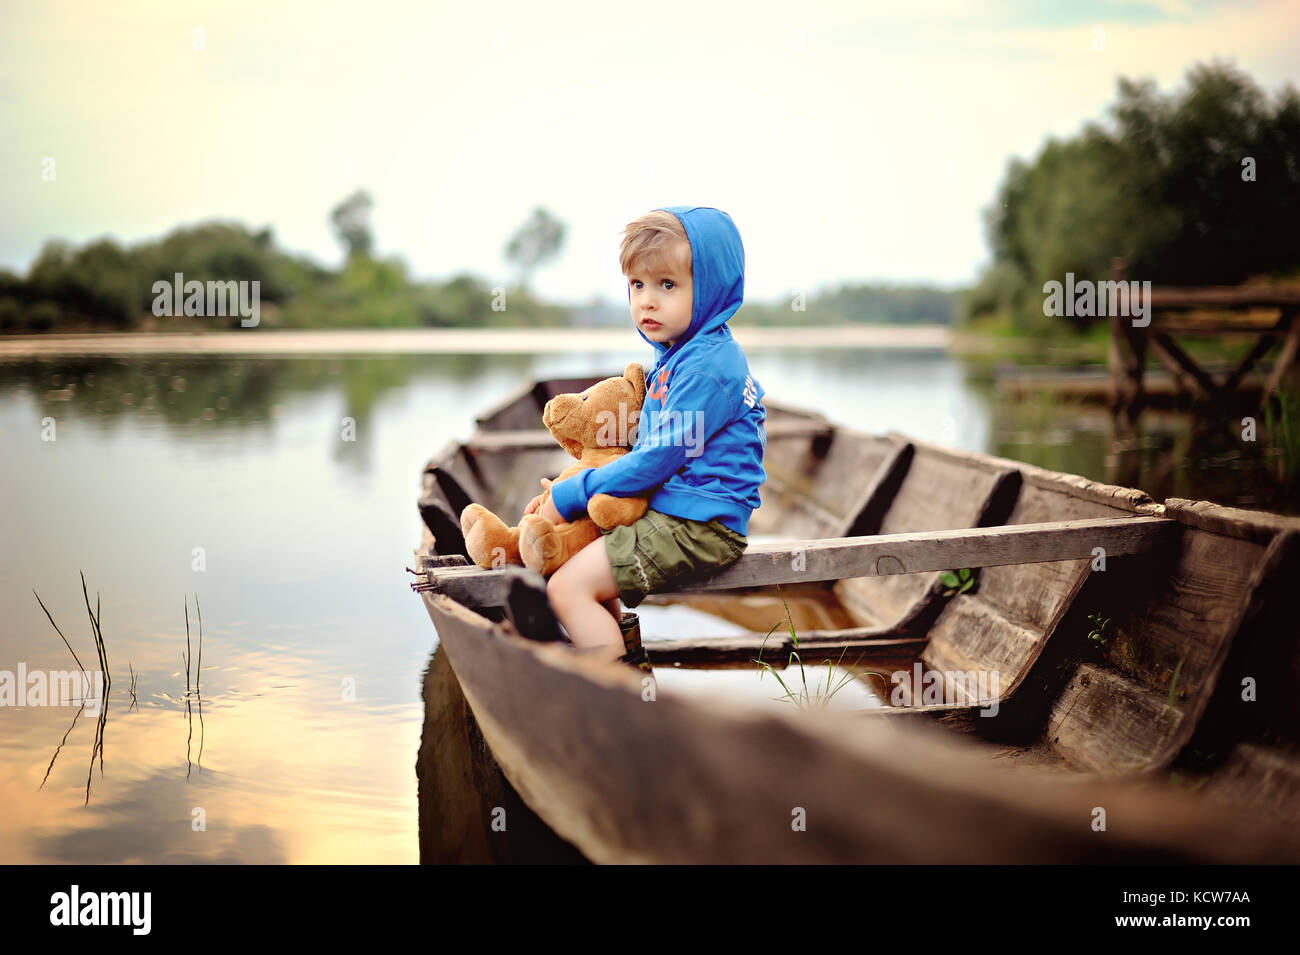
(230, 479)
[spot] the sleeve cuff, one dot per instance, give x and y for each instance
(567, 496)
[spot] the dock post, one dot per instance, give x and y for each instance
(1127, 355)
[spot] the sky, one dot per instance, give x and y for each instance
(855, 141)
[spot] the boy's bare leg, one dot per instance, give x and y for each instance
(584, 596)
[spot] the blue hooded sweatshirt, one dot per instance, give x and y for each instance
(700, 436)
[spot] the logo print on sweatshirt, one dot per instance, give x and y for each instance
(659, 390)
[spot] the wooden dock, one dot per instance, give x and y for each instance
(1271, 316)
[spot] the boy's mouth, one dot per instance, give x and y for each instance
(649, 323)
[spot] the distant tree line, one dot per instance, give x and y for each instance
(849, 303)
(1199, 187)
(107, 286)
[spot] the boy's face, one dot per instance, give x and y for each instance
(661, 295)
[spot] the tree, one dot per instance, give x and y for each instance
(535, 242)
(1163, 185)
(351, 219)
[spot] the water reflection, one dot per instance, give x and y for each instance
(142, 823)
(235, 807)
(1166, 453)
(99, 691)
(469, 812)
(76, 716)
(194, 695)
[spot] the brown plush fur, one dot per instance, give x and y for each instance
(587, 425)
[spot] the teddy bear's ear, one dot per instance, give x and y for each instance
(636, 374)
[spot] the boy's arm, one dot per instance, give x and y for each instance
(696, 410)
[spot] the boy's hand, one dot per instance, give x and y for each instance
(533, 504)
(548, 510)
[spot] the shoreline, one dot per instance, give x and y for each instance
(452, 340)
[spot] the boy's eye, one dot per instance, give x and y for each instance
(668, 283)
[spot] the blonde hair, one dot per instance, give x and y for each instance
(647, 239)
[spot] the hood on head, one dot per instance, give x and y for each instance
(717, 267)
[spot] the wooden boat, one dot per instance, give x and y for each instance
(1147, 663)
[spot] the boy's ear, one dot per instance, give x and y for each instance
(636, 374)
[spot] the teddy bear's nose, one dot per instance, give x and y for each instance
(558, 408)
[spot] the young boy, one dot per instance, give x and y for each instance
(700, 436)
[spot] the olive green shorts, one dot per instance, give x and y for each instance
(660, 547)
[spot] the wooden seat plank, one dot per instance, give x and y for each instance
(884, 555)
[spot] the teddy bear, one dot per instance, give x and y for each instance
(595, 426)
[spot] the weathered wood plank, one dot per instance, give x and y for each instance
(1222, 296)
(1262, 777)
(1181, 360)
(1257, 351)
(518, 409)
(868, 511)
(1265, 655)
(1257, 526)
(1193, 384)
(427, 562)
(1113, 495)
(1274, 568)
(1104, 723)
(792, 511)
(856, 643)
(837, 558)
(1136, 714)
(1174, 323)
(809, 490)
(1115, 360)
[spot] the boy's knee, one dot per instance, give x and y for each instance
(557, 587)
(566, 589)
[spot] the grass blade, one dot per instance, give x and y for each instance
(58, 631)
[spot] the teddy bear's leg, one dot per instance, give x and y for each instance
(544, 547)
(538, 542)
(489, 542)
